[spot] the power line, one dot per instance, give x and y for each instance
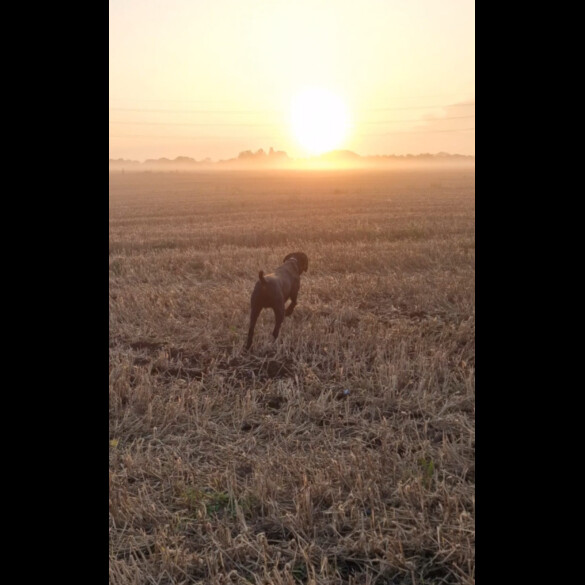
(275, 124)
(217, 101)
(191, 123)
(153, 100)
(393, 97)
(274, 136)
(442, 106)
(420, 132)
(273, 111)
(419, 120)
(173, 111)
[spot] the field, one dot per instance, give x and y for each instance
(341, 454)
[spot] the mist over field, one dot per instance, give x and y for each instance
(344, 452)
(279, 160)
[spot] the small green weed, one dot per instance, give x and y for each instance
(428, 471)
(212, 502)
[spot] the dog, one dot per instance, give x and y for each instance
(274, 289)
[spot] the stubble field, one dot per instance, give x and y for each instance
(341, 454)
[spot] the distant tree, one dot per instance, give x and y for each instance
(277, 154)
(248, 154)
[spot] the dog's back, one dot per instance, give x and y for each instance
(268, 291)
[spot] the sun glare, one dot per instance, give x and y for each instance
(319, 120)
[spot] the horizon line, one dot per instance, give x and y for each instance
(281, 154)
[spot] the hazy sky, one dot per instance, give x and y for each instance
(213, 78)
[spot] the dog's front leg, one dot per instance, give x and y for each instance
(293, 302)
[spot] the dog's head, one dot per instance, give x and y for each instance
(301, 258)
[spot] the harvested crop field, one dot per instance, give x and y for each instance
(341, 454)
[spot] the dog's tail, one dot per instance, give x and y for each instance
(261, 275)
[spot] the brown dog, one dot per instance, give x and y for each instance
(273, 290)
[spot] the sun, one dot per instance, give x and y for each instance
(319, 120)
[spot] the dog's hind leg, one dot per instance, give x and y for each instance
(253, 318)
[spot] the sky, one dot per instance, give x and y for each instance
(210, 79)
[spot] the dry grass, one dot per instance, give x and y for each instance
(342, 454)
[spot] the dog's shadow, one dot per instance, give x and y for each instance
(269, 361)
